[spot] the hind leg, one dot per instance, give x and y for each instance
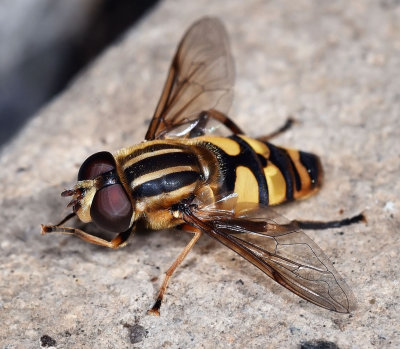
(286, 126)
(315, 225)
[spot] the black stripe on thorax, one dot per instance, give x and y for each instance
(160, 162)
(165, 184)
(151, 148)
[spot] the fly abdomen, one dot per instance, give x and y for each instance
(260, 172)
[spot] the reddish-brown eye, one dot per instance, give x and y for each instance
(96, 165)
(111, 209)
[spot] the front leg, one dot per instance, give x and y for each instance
(119, 241)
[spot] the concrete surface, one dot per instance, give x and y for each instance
(335, 67)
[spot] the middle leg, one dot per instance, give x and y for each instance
(155, 310)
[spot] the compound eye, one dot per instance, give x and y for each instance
(111, 209)
(96, 165)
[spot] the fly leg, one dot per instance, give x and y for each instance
(198, 130)
(286, 126)
(119, 241)
(205, 116)
(155, 310)
(314, 225)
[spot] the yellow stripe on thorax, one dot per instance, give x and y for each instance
(149, 154)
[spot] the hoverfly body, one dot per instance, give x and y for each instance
(189, 173)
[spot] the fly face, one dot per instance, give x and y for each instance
(99, 195)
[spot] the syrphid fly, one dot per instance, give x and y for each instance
(197, 171)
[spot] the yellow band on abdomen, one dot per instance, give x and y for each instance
(246, 185)
(276, 184)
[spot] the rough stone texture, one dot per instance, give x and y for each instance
(335, 67)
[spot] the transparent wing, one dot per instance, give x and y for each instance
(210, 122)
(201, 78)
(278, 248)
